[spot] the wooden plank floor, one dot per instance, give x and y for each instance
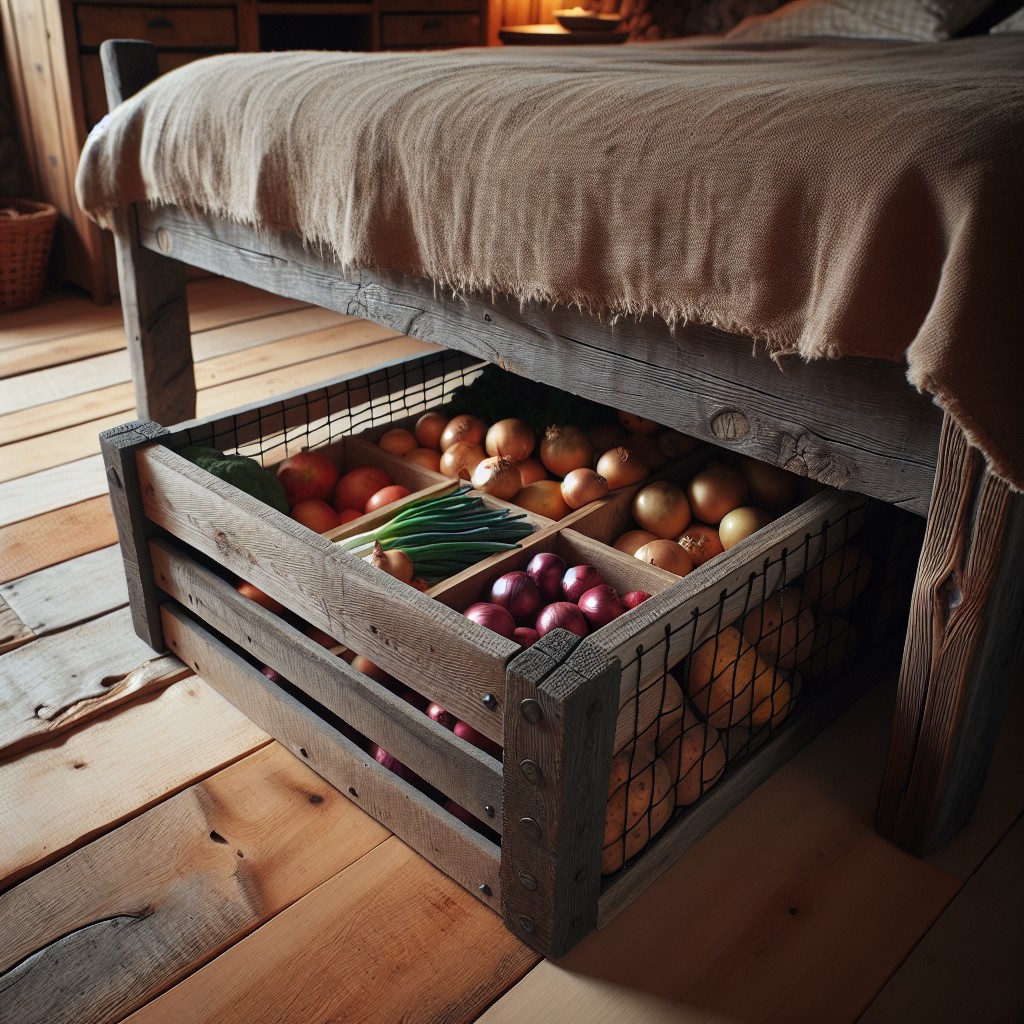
(163, 859)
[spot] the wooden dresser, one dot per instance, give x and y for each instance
(52, 53)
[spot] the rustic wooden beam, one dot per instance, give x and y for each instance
(964, 650)
(119, 445)
(153, 295)
(561, 706)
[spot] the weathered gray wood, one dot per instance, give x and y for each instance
(58, 682)
(152, 287)
(13, 632)
(35, 494)
(963, 654)
(113, 924)
(401, 630)
(461, 853)
(75, 591)
(558, 747)
(458, 769)
(854, 424)
(118, 446)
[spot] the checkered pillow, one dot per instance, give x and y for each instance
(920, 20)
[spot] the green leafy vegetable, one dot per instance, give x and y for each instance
(244, 473)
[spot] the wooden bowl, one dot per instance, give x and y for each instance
(578, 20)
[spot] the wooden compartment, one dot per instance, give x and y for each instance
(531, 845)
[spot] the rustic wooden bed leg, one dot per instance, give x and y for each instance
(559, 728)
(154, 300)
(119, 445)
(964, 651)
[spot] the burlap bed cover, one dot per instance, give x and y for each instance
(827, 199)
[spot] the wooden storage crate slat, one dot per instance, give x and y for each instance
(458, 769)
(446, 842)
(404, 632)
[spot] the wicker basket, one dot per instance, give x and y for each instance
(25, 239)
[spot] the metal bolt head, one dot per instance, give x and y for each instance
(531, 711)
(531, 771)
(531, 829)
(485, 889)
(527, 879)
(490, 701)
(489, 810)
(526, 923)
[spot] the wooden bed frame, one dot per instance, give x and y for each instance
(854, 424)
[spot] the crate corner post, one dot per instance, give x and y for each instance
(561, 703)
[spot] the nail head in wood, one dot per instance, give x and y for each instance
(531, 711)
(485, 889)
(489, 810)
(526, 923)
(531, 771)
(490, 701)
(531, 829)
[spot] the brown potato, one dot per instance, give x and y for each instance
(833, 584)
(694, 753)
(640, 803)
(730, 684)
(782, 628)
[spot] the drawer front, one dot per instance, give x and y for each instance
(174, 27)
(416, 30)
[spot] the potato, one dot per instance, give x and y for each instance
(730, 684)
(647, 716)
(640, 803)
(834, 644)
(833, 584)
(694, 753)
(780, 629)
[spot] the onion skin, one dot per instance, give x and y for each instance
(740, 523)
(544, 498)
(491, 616)
(463, 427)
(478, 739)
(562, 615)
(601, 605)
(394, 562)
(582, 486)
(531, 470)
(398, 441)
(546, 569)
(579, 579)
(525, 636)
(429, 428)
(497, 475)
(565, 448)
(634, 598)
(701, 542)
(629, 541)
(716, 491)
(438, 714)
(461, 458)
(667, 555)
(517, 593)
(661, 508)
(512, 438)
(621, 468)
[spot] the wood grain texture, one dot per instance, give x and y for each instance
(967, 967)
(59, 682)
(402, 631)
(557, 754)
(50, 489)
(462, 853)
(57, 796)
(68, 411)
(13, 631)
(792, 908)
(461, 771)
(808, 419)
(963, 650)
(50, 539)
(366, 946)
(77, 590)
(118, 921)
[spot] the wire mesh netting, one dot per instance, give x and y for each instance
(747, 664)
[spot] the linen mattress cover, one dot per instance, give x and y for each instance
(825, 198)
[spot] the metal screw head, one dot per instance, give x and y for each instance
(527, 879)
(489, 810)
(526, 923)
(531, 771)
(531, 711)
(531, 829)
(490, 701)
(485, 889)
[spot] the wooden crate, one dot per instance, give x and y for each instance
(531, 844)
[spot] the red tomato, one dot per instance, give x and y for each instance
(357, 485)
(385, 496)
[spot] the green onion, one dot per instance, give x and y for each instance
(445, 533)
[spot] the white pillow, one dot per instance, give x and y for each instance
(918, 20)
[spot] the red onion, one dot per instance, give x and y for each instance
(518, 595)
(492, 616)
(546, 569)
(478, 739)
(634, 597)
(561, 615)
(578, 580)
(389, 761)
(525, 636)
(600, 605)
(439, 715)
